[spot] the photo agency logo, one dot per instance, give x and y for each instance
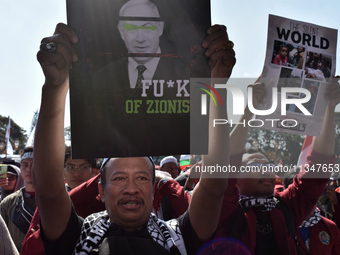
(281, 100)
(204, 104)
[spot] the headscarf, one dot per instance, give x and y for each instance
(18, 185)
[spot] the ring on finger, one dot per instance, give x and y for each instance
(221, 48)
(230, 45)
(51, 47)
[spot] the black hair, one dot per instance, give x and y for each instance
(68, 154)
(283, 46)
(27, 149)
(103, 171)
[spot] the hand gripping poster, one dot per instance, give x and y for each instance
(300, 58)
(129, 90)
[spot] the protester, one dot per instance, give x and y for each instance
(318, 235)
(334, 181)
(250, 213)
(6, 243)
(278, 184)
(126, 183)
(17, 209)
(76, 172)
(334, 197)
(170, 164)
(12, 183)
(170, 199)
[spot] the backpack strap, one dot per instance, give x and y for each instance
(236, 224)
(290, 224)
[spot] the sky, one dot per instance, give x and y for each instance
(24, 23)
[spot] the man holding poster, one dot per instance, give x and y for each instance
(127, 226)
(260, 216)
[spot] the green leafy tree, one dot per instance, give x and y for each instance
(282, 147)
(16, 132)
(279, 147)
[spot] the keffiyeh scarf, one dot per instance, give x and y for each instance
(95, 226)
(313, 220)
(264, 204)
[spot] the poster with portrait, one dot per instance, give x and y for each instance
(300, 58)
(129, 90)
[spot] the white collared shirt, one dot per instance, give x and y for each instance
(148, 73)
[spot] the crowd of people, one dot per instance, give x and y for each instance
(54, 204)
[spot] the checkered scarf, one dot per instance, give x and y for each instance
(264, 204)
(313, 220)
(95, 226)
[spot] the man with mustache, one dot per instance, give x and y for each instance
(127, 226)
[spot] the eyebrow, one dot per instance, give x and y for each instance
(115, 173)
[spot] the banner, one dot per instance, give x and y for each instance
(300, 58)
(129, 91)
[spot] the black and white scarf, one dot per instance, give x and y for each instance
(264, 204)
(95, 226)
(313, 220)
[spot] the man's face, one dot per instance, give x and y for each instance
(12, 180)
(77, 171)
(26, 169)
(171, 168)
(256, 183)
(128, 194)
(140, 36)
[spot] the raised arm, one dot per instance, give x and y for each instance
(49, 146)
(206, 201)
(325, 143)
(238, 136)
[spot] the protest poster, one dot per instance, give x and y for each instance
(129, 90)
(300, 58)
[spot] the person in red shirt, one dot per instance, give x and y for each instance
(250, 212)
(76, 173)
(281, 58)
(318, 235)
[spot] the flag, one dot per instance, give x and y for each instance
(307, 144)
(9, 148)
(30, 141)
(184, 161)
(8, 131)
